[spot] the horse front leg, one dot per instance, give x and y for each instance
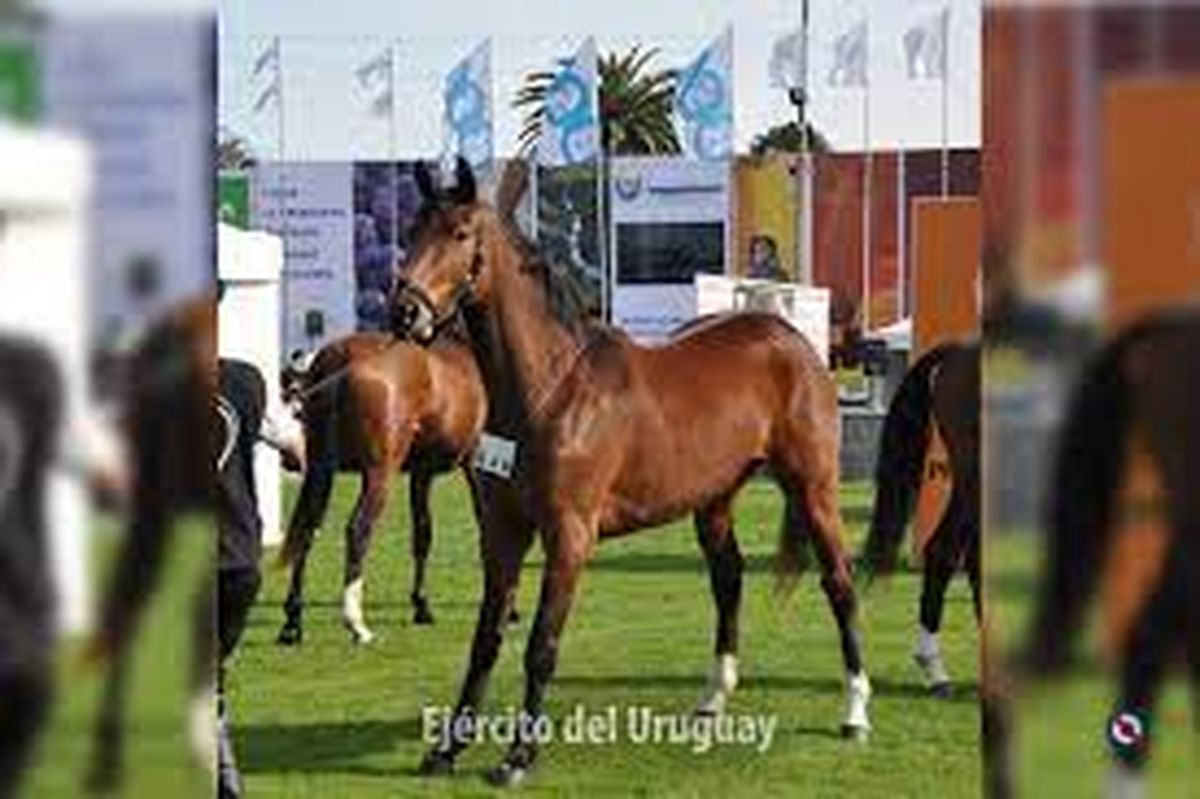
(506, 534)
(567, 544)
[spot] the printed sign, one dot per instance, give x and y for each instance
(495, 455)
(310, 206)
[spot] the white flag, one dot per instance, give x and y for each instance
(925, 47)
(786, 66)
(570, 132)
(271, 92)
(268, 58)
(850, 58)
(377, 75)
(467, 109)
(704, 101)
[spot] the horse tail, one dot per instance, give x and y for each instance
(320, 408)
(902, 448)
(1087, 470)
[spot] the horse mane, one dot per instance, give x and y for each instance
(561, 291)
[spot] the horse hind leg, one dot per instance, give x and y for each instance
(941, 560)
(812, 511)
(714, 530)
(359, 531)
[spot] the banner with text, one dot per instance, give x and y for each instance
(311, 206)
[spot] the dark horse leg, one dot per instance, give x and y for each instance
(1146, 654)
(567, 544)
(306, 518)
(371, 500)
(942, 555)
(505, 536)
(812, 508)
(422, 536)
(714, 529)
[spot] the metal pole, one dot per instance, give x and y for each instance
(866, 212)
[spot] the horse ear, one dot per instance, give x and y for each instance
(464, 182)
(424, 182)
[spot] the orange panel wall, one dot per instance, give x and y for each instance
(945, 256)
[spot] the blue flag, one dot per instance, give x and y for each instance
(704, 101)
(467, 98)
(570, 131)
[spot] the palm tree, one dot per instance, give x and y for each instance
(635, 105)
(233, 153)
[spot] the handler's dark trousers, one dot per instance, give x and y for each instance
(238, 578)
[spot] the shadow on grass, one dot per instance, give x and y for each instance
(881, 687)
(320, 746)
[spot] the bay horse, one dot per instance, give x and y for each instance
(611, 437)
(376, 405)
(940, 390)
(1133, 397)
(171, 433)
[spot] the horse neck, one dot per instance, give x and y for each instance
(519, 343)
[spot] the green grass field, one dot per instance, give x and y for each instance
(1060, 746)
(330, 719)
(333, 720)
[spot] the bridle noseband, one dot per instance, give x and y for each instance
(464, 292)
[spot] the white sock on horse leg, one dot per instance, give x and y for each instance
(858, 699)
(352, 612)
(202, 726)
(929, 657)
(927, 642)
(721, 682)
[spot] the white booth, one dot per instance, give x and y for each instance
(806, 308)
(45, 187)
(250, 265)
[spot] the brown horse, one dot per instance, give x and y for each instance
(376, 405)
(940, 390)
(611, 438)
(172, 379)
(1133, 400)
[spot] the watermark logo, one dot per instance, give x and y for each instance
(638, 725)
(1128, 732)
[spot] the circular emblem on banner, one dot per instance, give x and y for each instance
(578, 143)
(628, 186)
(1127, 733)
(703, 100)
(711, 142)
(566, 101)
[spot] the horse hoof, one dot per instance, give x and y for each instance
(506, 775)
(856, 733)
(436, 764)
(290, 635)
(362, 637)
(941, 690)
(422, 616)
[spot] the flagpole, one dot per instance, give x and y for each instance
(945, 104)
(902, 237)
(867, 180)
(393, 168)
(807, 265)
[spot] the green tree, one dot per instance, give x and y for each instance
(788, 138)
(635, 105)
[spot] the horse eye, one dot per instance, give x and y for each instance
(461, 234)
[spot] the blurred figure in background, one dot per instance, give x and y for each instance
(1091, 231)
(30, 409)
